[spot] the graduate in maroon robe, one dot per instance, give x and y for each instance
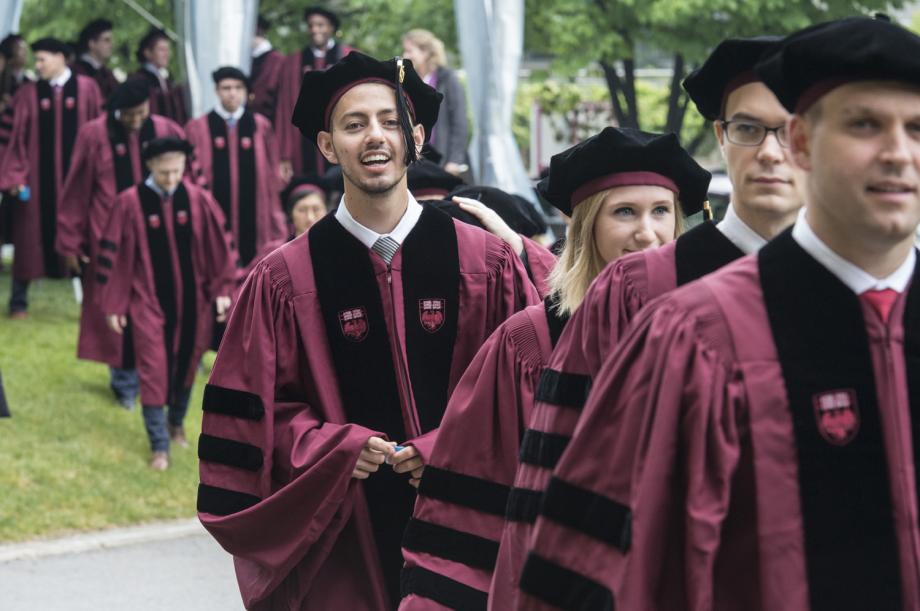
(94, 50)
(265, 72)
(345, 342)
(46, 118)
(299, 155)
(752, 444)
(106, 161)
(628, 190)
(167, 98)
(164, 261)
(764, 202)
(236, 151)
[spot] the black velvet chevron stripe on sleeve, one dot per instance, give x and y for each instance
(450, 544)
(542, 449)
(229, 402)
(563, 389)
(592, 514)
(229, 452)
(441, 589)
(465, 490)
(562, 587)
(223, 502)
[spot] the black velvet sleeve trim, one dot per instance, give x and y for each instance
(523, 505)
(465, 490)
(101, 278)
(104, 261)
(592, 514)
(223, 502)
(563, 389)
(107, 245)
(441, 589)
(455, 545)
(542, 449)
(562, 587)
(229, 452)
(229, 402)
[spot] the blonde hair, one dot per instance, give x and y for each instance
(430, 45)
(581, 260)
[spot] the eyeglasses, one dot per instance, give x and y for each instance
(748, 133)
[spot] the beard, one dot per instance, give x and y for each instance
(379, 186)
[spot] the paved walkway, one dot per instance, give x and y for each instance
(170, 566)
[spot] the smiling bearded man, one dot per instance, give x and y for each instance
(345, 342)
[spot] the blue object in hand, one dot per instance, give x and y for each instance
(399, 448)
(25, 194)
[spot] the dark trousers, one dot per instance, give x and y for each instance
(156, 418)
(125, 383)
(19, 296)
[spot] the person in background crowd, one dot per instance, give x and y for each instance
(305, 203)
(344, 342)
(166, 98)
(629, 191)
(299, 155)
(46, 118)
(106, 161)
(751, 444)
(451, 132)
(94, 50)
(15, 51)
(164, 262)
(265, 72)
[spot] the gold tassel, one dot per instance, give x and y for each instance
(707, 211)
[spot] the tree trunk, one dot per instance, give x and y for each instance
(615, 88)
(677, 99)
(699, 138)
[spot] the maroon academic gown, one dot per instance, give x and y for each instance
(106, 161)
(168, 101)
(162, 262)
(303, 155)
(45, 126)
(540, 262)
(752, 445)
(103, 76)
(451, 541)
(240, 166)
(308, 370)
(266, 79)
(596, 327)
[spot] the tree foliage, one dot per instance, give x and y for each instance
(621, 36)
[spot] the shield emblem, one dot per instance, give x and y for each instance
(121, 150)
(154, 221)
(431, 314)
(219, 142)
(69, 103)
(246, 142)
(45, 103)
(182, 217)
(837, 416)
(354, 324)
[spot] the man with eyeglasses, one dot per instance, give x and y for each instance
(749, 123)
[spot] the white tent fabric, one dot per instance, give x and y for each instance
(10, 12)
(491, 34)
(216, 33)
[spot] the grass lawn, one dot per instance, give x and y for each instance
(71, 459)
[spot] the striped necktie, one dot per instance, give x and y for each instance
(386, 247)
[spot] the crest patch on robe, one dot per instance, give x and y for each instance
(246, 142)
(837, 416)
(219, 142)
(431, 314)
(354, 324)
(182, 217)
(121, 150)
(70, 102)
(154, 221)
(45, 104)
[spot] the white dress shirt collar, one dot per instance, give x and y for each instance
(857, 279)
(150, 182)
(369, 236)
(92, 61)
(322, 52)
(263, 47)
(226, 116)
(160, 73)
(740, 233)
(61, 79)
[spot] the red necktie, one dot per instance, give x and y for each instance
(881, 300)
